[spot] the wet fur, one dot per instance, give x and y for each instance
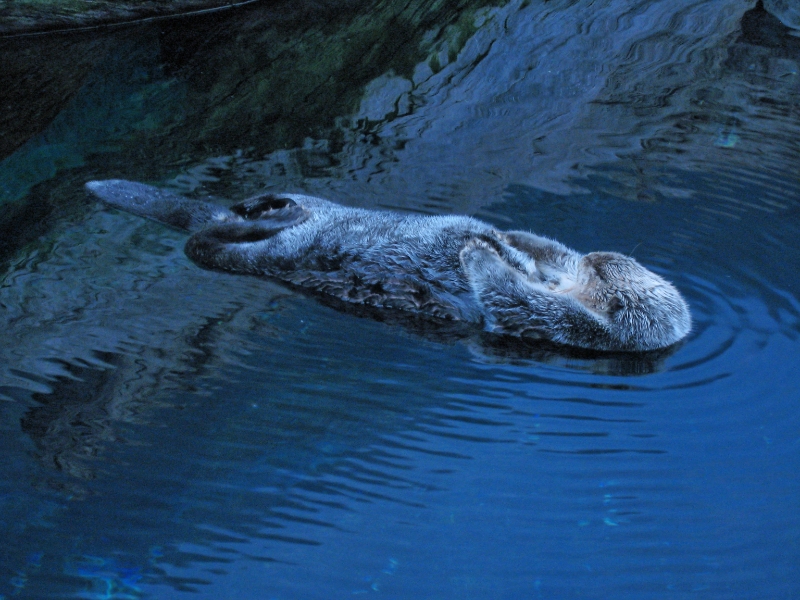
(447, 267)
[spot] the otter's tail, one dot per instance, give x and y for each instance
(160, 205)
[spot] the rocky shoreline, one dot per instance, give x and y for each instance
(27, 17)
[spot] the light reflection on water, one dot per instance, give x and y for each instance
(170, 432)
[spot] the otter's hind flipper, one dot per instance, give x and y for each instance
(159, 205)
(265, 206)
(236, 246)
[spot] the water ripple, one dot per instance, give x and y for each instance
(194, 421)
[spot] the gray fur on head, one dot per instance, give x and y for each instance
(447, 267)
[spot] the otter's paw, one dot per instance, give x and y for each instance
(477, 255)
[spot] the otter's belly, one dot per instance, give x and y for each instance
(384, 288)
(410, 263)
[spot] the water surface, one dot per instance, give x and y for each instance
(169, 432)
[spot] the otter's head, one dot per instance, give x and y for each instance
(643, 310)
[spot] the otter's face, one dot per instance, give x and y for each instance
(608, 282)
(606, 278)
(561, 278)
(624, 291)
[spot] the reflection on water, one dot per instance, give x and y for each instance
(169, 432)
(441, 107)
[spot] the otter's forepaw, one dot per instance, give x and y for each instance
(477, 255)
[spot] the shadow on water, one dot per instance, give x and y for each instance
(164, 429)
(762, 28)
(491, 347)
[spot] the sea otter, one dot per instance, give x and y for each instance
(445, 267)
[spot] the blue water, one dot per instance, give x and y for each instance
(169, 432)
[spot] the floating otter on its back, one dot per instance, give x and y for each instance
(447, 267)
